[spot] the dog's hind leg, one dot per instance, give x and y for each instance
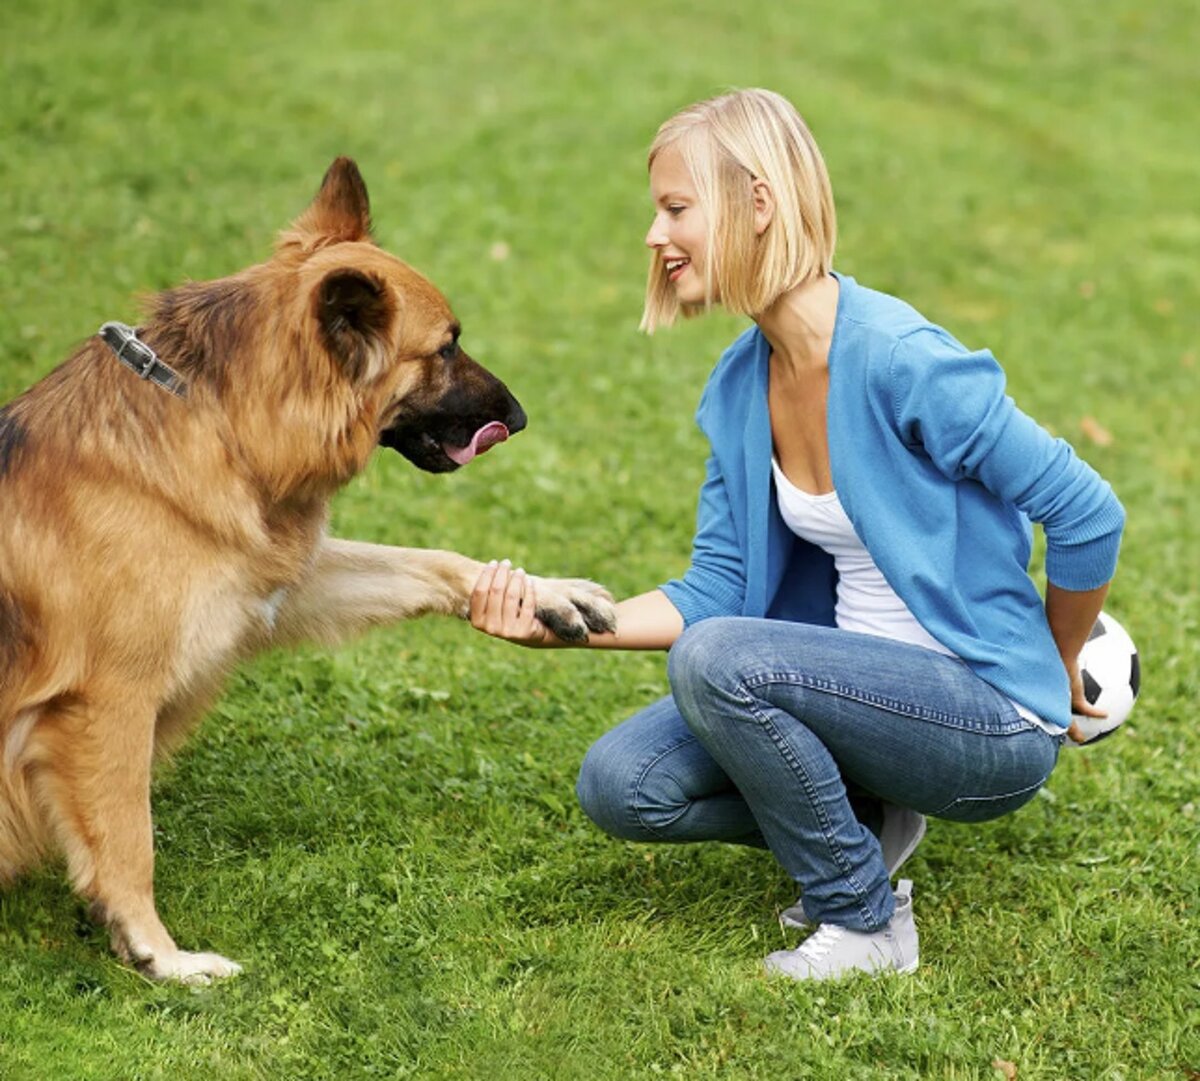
(92, 762)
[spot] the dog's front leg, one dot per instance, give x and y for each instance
(354, 586)
(92, 762)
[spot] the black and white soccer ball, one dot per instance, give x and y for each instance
(1111, 675)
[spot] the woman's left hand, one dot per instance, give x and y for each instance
(1079, 703)
(1072, 615)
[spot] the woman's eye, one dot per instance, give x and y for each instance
(675, 210)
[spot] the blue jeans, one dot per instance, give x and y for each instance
(773, 729)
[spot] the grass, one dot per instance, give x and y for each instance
(387, 837)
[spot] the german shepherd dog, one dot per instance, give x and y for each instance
(155, 531)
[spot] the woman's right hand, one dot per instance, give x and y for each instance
(503, 604)
(574, 612)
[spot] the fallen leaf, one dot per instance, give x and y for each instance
(1096, 432)
(1007, 1068)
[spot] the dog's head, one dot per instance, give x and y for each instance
(329, 349)
(392, 335)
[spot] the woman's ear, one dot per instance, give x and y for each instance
(764, 205)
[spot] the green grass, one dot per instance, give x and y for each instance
(387, 837)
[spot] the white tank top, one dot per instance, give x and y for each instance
(865, 602)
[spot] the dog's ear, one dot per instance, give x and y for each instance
(341, 210)
(355, 310)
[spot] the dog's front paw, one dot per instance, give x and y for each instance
(180, 966)
(571, 607)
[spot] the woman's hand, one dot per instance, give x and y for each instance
(1071, 616)
(503, 604)
(1079, 702)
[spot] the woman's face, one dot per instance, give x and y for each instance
(679, 233)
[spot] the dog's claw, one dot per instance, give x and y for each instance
(572, 607)
(598, 619)
(568, 628)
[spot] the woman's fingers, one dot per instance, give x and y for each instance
(528, 622)
(481, 595)
(1084, 708)
(1079, 702)
(504, 604)
(494, 616)
(511, 607)
(1080, 706)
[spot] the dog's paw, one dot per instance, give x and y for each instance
(196, 969)
(571, 607)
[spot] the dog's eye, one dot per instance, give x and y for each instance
(448, 351)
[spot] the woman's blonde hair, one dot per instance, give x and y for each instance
(727, 143)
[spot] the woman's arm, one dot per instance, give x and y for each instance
(1071, 616)
(953, 403)
(504, 600)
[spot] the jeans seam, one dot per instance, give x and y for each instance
(892, 705)
(991, 799)
(749, 701)
(636, 790)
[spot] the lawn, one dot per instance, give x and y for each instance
(386, 836)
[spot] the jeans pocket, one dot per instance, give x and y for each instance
(984, 808)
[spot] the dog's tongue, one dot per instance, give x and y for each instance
(487, 436)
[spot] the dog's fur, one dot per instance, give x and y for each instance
(149, 543)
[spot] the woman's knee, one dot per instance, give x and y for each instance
(703, 666)
(603, 789)
(635, 797)
(698, 654)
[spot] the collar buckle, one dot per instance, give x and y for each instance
(143, 357)
(136, 355)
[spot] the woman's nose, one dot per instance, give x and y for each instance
(656, 235)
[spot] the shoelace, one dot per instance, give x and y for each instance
(820, 942)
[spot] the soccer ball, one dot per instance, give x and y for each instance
(1111, 674)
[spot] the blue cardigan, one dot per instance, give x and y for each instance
(940, 474)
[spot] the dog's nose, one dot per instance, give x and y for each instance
(516, 419)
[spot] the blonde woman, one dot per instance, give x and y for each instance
(857, 642)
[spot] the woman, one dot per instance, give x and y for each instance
(856, 643)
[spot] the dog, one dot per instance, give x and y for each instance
(164, 500)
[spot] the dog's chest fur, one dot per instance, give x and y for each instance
(231, 612)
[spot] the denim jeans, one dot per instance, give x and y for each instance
(771, 730)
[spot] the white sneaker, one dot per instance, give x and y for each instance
(901, 832)
(831, 952)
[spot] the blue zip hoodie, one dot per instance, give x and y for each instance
(940, 475)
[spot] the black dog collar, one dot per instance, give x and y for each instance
(136, 355)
